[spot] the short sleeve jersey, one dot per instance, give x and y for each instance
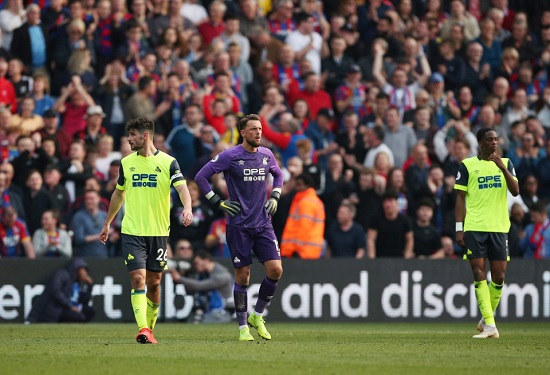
(486, 194)
(147, 182)
(246, 177)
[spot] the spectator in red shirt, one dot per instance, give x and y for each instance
(214, 26)
(313, 95)
(74, 110)
(7, 92)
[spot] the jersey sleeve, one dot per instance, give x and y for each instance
(176, 177)
(512, 170)
(219, 163)
(462, 178)
(275, 172)
(120, 182)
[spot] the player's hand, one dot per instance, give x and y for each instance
(104, 234)
(272, 202)
(231, 208)
(460, 239)
(494, 157)
(186, 217)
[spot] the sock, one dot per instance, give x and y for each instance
(241, 303)
(495, 291)
(267, 290)
(139, 304)
(484, 302)
(152, 313)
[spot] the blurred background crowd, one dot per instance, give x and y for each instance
(369, 106)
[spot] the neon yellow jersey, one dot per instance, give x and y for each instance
(147, 182)
(486, 195)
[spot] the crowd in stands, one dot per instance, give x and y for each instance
(369, 105)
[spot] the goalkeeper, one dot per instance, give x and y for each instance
(245, 168)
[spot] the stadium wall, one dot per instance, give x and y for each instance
(322, 290)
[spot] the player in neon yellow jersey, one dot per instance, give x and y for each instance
(482, 222)
(144, 182)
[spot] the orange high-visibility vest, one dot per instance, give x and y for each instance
(305, 226)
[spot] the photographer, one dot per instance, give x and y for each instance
(213, 287)
(67, 296)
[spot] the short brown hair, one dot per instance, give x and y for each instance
(141, 124)
(246, 119)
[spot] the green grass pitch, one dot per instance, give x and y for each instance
(296, 348)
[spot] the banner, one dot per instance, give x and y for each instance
(321, 290)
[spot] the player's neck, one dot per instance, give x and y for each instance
(148, 150)
(249, 147)
(484, 156)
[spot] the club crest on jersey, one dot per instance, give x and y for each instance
(241, 162)
(264, 161)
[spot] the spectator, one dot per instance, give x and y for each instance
(366, 197)
(93, 130)
(75, 170)
(478, 74)
(521, 41)
(400, 94)
(8, 97)
(196, 231)
(36, 200)
(324, 140)
(106, 154)
(396, 183)
(26, 121)
(184, 140)
(31, 51)
(251, 18)
(30, 157)
(527, 156)
(52, 178)
(459, 14)
(306, 42)
(315, 97)
(232, 34)
(50, 240)
(241, 68)
(390, 233)
(40, 93)
(67, 296)
(335, 67)
(536, 241)
(416, 176)
(346, 238)
(140, 103)
(11, 17)
(214, 25)
(52, 130)
(74, 110)
(305, 227)
(10, 197)
(21, 83)
(427, 239)
(399, 138)
(87, 224)
(15, 240)
(281, 23)
(172, 18)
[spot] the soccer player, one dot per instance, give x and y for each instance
(249, 227)
(144, 181)
(482, 222)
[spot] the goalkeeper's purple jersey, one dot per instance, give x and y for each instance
(246, 177)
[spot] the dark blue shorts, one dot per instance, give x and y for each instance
(490, 245)
(243, 241)
(142, 252)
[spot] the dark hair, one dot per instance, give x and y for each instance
(144, 82)
(379, 132)
(220, 74)
(306, 179)
(539, 206)
(390, 194)
(246, 119)
(482, 132)
(302, 17)
(230, 17)
(382, 95)
(387, 18)
(427, 202)
(203, 254)
(141, 124)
